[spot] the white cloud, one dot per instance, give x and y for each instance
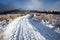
(40, 5)
(36, 5)
(55, 6)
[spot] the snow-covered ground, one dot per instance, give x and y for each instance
(51, 25)
(3, 25)
(28, 28)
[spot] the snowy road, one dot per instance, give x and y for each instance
(27, 28)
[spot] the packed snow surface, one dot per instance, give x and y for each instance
(27, 28)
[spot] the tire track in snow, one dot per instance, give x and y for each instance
(48, 33)
(32, 33)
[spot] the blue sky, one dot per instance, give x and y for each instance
(41, 5)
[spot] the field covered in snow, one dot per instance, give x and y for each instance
(29, 29)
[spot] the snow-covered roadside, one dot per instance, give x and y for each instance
(48, 24)
(3, 25)
(51, 25)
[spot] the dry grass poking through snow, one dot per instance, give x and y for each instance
(10, 16)
(51, 17)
